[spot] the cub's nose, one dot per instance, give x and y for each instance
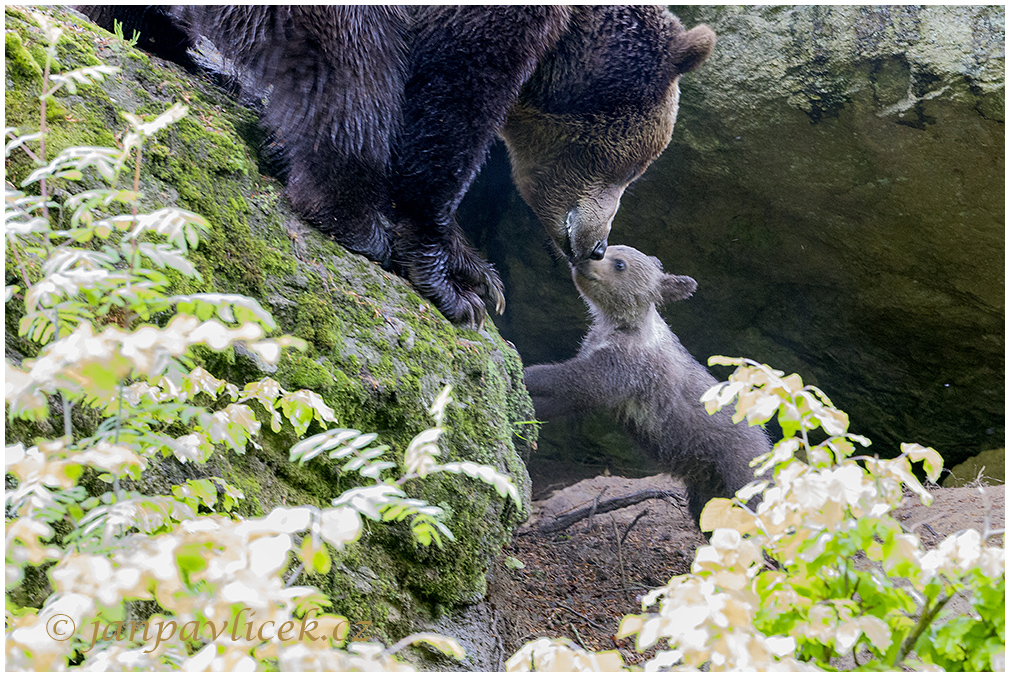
(599, 250)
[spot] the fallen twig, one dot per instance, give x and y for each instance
(620, 557)
(595, 625)
(633, 523)
(578, 637)
(564, 521)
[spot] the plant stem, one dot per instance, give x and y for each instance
(21, 265)
(68, 428)
(43, 187)
(806, 442)
(294, 575)
(928, 614)
(403, 643)
(28, 151)
(136, 181)
(119, 413)
(135, 253)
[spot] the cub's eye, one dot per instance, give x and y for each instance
(619, 264)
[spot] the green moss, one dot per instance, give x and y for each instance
(990, 466)
(19, 63)
(28, 432)
(298, 371)
(212, 143)
(316, 322)
(16, 13)
(204, 176)
(73, 51)
(273, 263)
(375, 606)
(377, 352)
(76, 121)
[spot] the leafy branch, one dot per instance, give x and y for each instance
(114, 338)
(824, 514)
(385, 500)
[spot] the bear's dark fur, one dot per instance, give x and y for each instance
(632, 365)
(384, 116)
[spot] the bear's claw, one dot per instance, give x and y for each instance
(461, 302)
(469, 271)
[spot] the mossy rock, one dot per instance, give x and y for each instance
(989, 468)
(378, 353)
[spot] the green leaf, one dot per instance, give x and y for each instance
(932, 461)
(320, 562)
(362, 440)
(191, 558)
(393, 512)
(169, 117)
(100, 377)
(502, 483)
(446, 645)
(423, 534)
(313, 446)
(724, 361)
(514, 563)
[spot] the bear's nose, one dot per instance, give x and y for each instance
(599, 250)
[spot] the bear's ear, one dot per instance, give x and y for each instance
(691, 48)
(676, 287)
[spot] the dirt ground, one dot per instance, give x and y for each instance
(580, 581)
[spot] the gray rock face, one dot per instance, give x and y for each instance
(836, 185)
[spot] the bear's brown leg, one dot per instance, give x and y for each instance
(336, 76)
(347, 202)
(467, 65)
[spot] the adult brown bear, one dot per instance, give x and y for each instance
(384, 115)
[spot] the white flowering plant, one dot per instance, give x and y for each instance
(820, 575)
(206, 588)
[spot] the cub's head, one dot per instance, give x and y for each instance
(622, 286)
(599, 108)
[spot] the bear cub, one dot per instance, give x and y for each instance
(633, 366)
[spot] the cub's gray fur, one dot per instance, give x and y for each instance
(631, 364)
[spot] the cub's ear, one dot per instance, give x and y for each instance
(691, 48)
(676, 287)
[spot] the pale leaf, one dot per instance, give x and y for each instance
(932, 461)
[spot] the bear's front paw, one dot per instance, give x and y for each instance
(464, 308)
(482, 278)
(462, 304)
(469, 271)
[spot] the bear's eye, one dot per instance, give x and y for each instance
(619, 264)
(634, 173)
